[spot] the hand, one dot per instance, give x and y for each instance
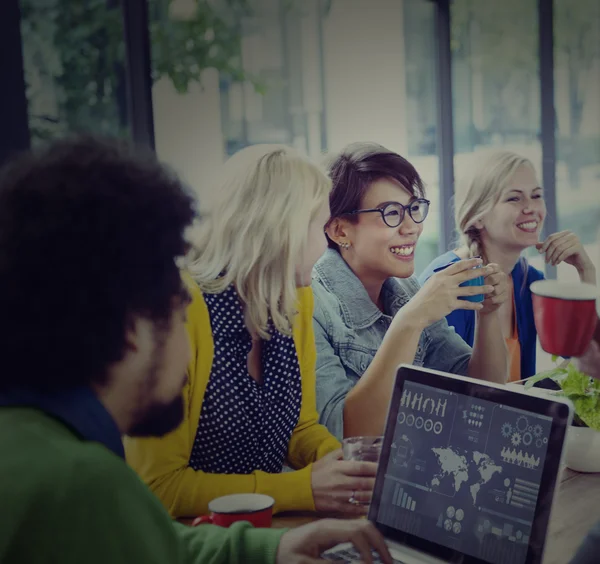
(439, 296)
(304, 545)
(499, 281)
(589, 361)
(335, 481)
(566, 247)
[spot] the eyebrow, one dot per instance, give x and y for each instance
(521, 191)
(382, 204)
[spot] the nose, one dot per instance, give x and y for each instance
(408, 225)
(528, 205)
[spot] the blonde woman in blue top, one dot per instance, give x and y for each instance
(499, 215)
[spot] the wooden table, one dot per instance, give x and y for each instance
(576, 509)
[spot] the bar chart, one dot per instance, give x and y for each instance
(402, 499)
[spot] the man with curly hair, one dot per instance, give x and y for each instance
(93, 346)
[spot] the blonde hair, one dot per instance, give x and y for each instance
(256, 232)
(482, 193)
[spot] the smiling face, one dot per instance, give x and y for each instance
(516, 220)
(377, 251)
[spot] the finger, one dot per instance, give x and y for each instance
(498, 298)
(461, 266)
(552, 239)
(358, 468)
(467, 275)
(348, 509)
(493, 268)
(361, 542)
(497, 279)
(335, 455)
(377, 541)
(474, 290)
(465, 304)
(565, 254)
(554, 250)
(363, 496)
(355, 484)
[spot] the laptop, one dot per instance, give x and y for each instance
(467, 473)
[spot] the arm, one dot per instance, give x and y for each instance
(120, 522)
(366, 406)
(310, 441)
(588, 551)
(238, 544)
(490, 355)
(565, 246)
(185, 492)
(163, 463)
(352, 406)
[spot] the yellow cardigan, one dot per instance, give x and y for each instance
(163, 463)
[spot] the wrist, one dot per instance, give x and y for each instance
(586, 271)
(410, 319)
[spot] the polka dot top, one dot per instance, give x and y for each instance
(245, 425)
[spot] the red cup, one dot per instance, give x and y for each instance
(224, 511)
(565, 316)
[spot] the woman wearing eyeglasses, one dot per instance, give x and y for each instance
(370, 315)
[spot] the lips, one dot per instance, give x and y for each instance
(528, 226)
(403, 251)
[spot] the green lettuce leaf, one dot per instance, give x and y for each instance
(580, 388)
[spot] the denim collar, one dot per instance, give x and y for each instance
(358, 310)
(79, 409)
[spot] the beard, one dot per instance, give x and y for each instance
(158, 419)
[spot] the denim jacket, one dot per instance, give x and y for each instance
(349, 328)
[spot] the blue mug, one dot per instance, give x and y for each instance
(473, 282)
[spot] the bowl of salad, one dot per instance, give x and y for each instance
(583, 438)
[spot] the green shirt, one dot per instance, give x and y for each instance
(71, 501)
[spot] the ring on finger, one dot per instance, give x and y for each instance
(352, 498)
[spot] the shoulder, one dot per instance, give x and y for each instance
(534, 274)
(197, 302)
(305, 305)
(73, 470)
(442, 260)
(524, 270)
(326, 303)
(198, 319)
(403, 287)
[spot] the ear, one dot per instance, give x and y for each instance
(138, 334)
(338, 230)
(478, 224)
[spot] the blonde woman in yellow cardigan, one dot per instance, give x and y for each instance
(250, 400)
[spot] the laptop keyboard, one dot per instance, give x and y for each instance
(352, 555)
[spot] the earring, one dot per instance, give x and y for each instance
(345, 245)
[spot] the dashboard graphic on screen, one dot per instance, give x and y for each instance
(465, 473)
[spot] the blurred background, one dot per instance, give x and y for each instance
(437, 81)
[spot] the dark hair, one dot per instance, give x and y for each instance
(89, 234)
(357, 166)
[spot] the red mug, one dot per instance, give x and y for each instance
(257, 509)
(565, 316)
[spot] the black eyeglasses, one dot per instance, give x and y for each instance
(393, 213)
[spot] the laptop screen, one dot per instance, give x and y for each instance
(464, 472)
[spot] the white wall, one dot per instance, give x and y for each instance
(364, 72)
(188, 131)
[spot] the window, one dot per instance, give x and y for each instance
(577, 95)
(496, 96)
(74, 67)
(315, 74)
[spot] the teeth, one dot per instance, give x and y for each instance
(403, 251)
(529, 225)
